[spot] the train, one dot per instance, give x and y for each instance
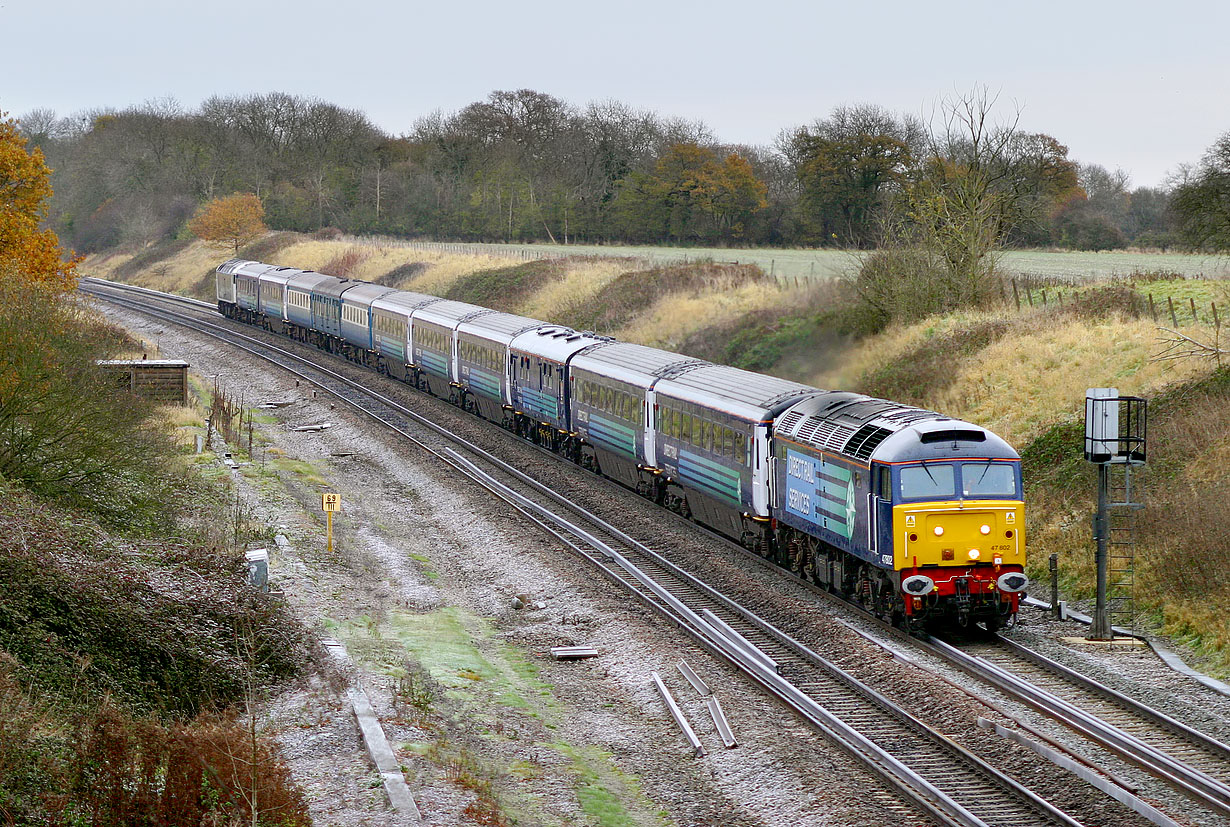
(916, 516)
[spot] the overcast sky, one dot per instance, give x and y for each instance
(1143, 86)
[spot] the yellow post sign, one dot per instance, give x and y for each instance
(330, 503)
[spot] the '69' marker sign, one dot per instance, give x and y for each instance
(330, 503)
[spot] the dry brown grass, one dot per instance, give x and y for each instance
(581, 280)
(345, 264)
(178, 274)
(1033, 375)
(676, 316)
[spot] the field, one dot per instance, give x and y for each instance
(809, 263)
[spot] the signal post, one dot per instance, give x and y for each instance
(1115, 429)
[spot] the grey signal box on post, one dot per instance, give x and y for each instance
(1114, 437)
(1114, 427)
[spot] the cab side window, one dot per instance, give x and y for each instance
(884, 489)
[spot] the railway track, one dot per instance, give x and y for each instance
(1182, 756)
(915, 762)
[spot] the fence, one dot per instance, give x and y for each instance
(1176, 312)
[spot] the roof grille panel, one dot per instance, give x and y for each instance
(863, 444)
(788, 421)
(824, 433)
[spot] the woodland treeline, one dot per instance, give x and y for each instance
(526, 166)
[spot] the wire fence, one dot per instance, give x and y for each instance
(1158, 308)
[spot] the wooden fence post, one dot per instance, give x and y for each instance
(1029, 294)
(1152, 309)
(1174, 321)
(1015, 295)
(1195, 318)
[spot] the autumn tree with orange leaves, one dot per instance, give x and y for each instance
(27, 252)
(234, 220)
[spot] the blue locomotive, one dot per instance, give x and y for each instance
(914, 515)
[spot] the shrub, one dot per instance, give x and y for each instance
(151, 255)
(171, 628)
(102, 765)
(908, 283)
(793, 336)
(66, 431)
(267, 248)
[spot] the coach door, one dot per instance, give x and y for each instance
(522, 374)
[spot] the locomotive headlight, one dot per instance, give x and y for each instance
(939, 531)
(986, 529)
(974, 554)
(917, 585)
(1012, 582)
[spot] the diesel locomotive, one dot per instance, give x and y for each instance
(914, 515)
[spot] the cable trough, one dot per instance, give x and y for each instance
(937, 776)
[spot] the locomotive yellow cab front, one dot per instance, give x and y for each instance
(957, 533)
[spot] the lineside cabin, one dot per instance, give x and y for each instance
(160, 380)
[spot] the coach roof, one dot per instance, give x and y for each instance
(737, 392)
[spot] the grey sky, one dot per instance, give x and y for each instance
(1138, 85)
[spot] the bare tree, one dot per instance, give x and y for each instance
(962, 204)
